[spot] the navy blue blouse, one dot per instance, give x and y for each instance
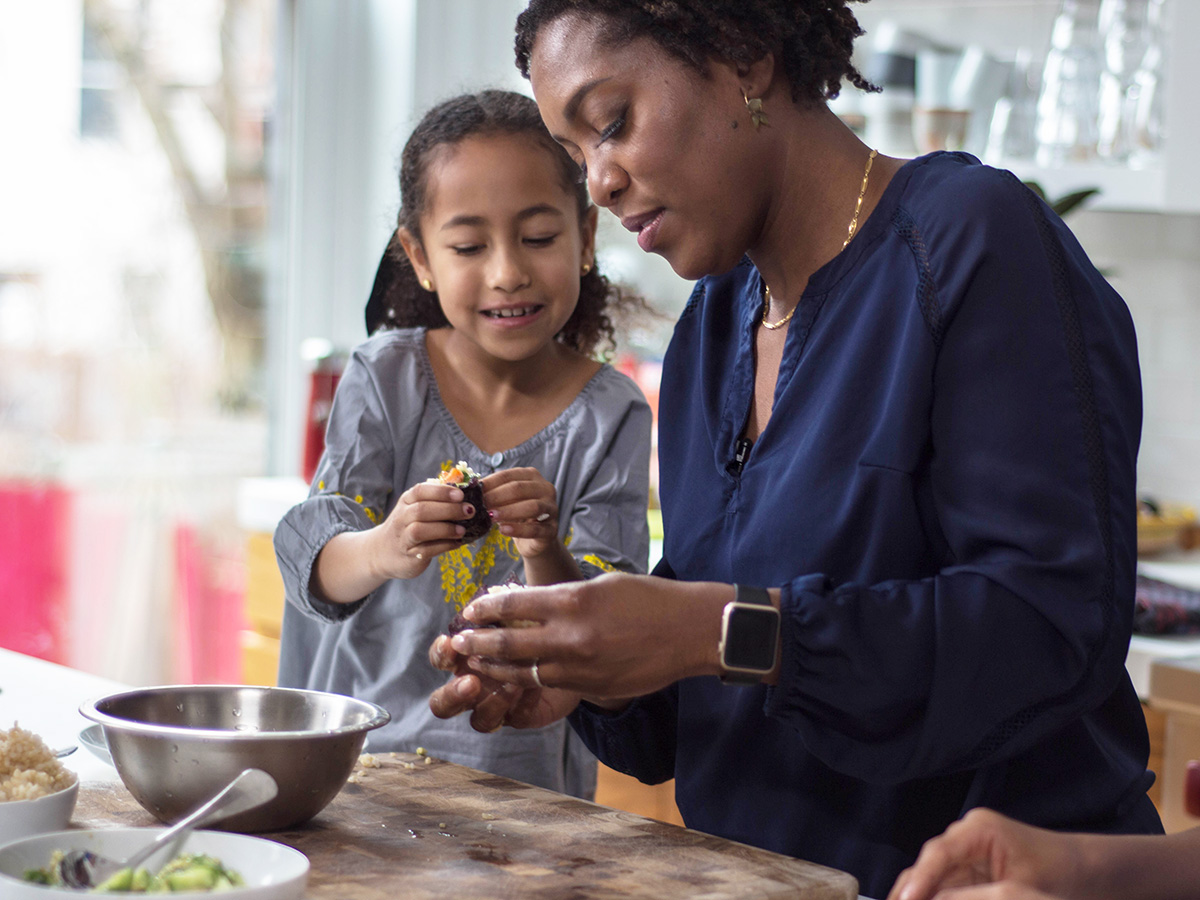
(945, 492)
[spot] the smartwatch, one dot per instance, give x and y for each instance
(749, 636)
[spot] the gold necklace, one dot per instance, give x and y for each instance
(771, 326)
(862, 192)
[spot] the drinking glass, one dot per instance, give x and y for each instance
(1068, 105)
(1013, 134)
(1130, 92)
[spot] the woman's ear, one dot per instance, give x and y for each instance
(756, 78)
(588, 228)
(416, 255)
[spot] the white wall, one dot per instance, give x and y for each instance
(1154, 261)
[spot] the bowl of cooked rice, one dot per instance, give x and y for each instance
(37, 793)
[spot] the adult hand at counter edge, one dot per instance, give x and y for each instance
(615, 636)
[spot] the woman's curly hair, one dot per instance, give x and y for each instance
(397, 298)
(814, 39)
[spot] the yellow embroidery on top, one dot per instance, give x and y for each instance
(602, 564)
(358, 498)
(465, 569)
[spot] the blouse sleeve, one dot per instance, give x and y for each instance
(351, 489)
(608, 526)
(1034, 427)
(638, 741)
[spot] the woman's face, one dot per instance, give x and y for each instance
(668, 151)
(502, 243)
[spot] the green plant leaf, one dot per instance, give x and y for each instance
(1068, 202)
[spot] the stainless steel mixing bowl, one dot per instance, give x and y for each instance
(175, 746)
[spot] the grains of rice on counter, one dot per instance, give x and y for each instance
(28, 768)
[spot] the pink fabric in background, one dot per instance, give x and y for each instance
(210, 606)
(34, 522)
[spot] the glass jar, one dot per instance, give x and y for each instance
(1068, 105)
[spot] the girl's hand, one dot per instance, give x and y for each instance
(492, 703)
(524, 506)
(419, 527)
(986, 848)
(615, 636)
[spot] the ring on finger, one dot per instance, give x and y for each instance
(543, 517)
(533, 670)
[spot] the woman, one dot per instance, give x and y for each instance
(902, 401)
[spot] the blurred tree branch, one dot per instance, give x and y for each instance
(228, 219)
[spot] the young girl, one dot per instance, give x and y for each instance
(485, 312)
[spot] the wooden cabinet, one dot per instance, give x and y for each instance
(1156, 725)
(264, 612)
(1175, 701)
(654, 801)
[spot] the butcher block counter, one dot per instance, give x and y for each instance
(417, 827)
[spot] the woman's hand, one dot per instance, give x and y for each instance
(490, 702)
(616, 636)
(524, 506)
(986, 848)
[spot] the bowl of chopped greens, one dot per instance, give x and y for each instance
(235, 866)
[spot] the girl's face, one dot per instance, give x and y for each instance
(502, 243)
(668, 151)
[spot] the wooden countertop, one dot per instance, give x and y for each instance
(417, 829)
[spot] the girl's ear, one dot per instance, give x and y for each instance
(588, 227)
(416, 255)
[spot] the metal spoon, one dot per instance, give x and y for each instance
(251, 789)
(65, 751)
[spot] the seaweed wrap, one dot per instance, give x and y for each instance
(468, 481)
(460, 623)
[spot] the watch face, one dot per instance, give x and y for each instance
(750, 638)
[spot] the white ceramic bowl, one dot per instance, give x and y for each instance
(21, 818)
(271, 870)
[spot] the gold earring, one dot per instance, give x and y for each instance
(427, 284)
(587, 267)
(757, 116)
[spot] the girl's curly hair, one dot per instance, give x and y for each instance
(398, 300)
(813, 39)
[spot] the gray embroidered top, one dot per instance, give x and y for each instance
(389, 429)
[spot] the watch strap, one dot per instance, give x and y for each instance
(743, 593)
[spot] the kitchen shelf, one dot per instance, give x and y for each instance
(1171, 185)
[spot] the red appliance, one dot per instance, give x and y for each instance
(322, 384)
